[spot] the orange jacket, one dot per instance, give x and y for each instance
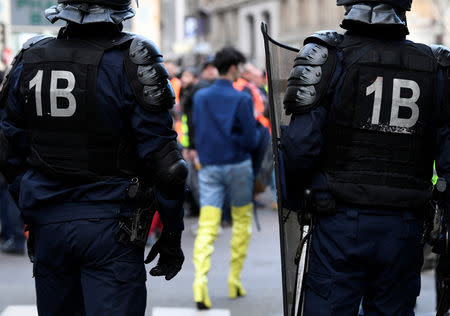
(258, 102)
(176, 86)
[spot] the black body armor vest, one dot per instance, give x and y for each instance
(69, 139)
(378, 141)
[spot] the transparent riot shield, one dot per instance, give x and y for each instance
(294, 227)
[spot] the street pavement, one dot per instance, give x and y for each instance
(261, 278)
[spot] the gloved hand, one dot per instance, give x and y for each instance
(171, 256)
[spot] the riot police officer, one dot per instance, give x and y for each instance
(86, 113)
(369, 115)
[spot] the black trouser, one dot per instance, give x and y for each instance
(80, 269)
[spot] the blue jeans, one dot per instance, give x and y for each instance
(364, 254)
(216, 180)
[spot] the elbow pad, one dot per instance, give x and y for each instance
(148, 77)
(170, 171)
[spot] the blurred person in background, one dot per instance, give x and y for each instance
(260, 81)
(12, 238)
(369, 116)
(225, 134)
(12, 235)
(245, 83)
(189, 78)
(172, 69)
(88, 137)
(208, 74)
(183, 87)
(262, 158)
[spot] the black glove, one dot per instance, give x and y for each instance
(171, 256)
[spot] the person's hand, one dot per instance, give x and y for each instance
(185, 153)
(171, 256)
(192, 154)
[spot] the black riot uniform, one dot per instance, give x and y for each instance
(90, 152)
(369, 115)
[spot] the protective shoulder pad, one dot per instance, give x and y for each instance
(123, 38)
(309, 79)
(29, 43)
(34, 40)
(325, 38)
(148, 77)
(442, 54)
(144, 51)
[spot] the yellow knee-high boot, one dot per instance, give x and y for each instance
(209, 223)
(242, 229)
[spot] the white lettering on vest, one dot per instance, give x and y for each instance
(37, 82)
(398, 101)
(56, 93)
(376, 87)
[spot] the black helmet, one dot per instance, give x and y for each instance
(91, 11)
(104, 3)
(402, 4)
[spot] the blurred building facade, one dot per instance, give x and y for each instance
(212, 24)
(22, 19)
(429, 21)
(238, 22)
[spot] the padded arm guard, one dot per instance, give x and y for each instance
(170, 171)
(442, 54)
(148, 77)
(313, 67)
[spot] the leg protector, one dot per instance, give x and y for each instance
(208, 229)
(242, 228)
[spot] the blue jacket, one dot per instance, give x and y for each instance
(225, 128)
(45, 200)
